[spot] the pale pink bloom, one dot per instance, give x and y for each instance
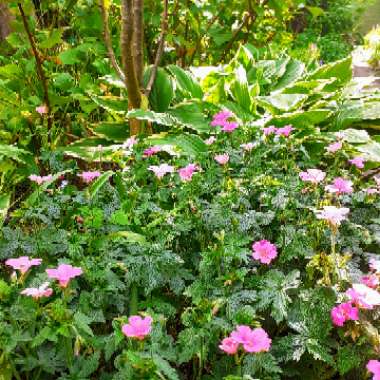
(358, 162)
(248, 147)
(229, 345)
(372, 191)
(210, 140)
(64, 273)
(334, 147)
(36, 293)
(264, 251)
(42, 109)
(284, 131)
(161, 170)
(332, 214)
(256, 340)
(137, 327)
(133, 140)
(229, 126)
(313, 175)
(340, 186)
(363, 296)
(221, 118)
(222, 159)
(371, 280)
(40, 180)
(151, 151)
(344, 312)
(23, 263)
(373, 366)
(187, 172)
(269, 130)
(374, 265)
(89, 176)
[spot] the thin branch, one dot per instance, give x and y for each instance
(160, 49)
(134, 94)
(40, 69)
(108, 40)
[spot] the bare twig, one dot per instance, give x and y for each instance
(160, 49)
(108, 40)
(40, 69)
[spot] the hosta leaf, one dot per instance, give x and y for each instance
(186, 83)
(294, 71)
(112, 131)
(355, 136)
(341, 70)
(112, 104)
(302, 118)
(99, 183)
(281, 102)
(371, 151)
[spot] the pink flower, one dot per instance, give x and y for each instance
(40, 180)
(229, 126)
(137, 327)
(210, 140)
(248, 147)
(332, 214)
(64, 273)
(374, 265)
(130, 142)
(264, 251)
(36, 293)
(340, 186)
(151, 151)
(373, 366)
(88, 177)
(284, 131)
(222, 159)
(372, 191)
(23, 263)
(358, 162)
(363, 296)
(269, 130)
(161, 170)
(42, 109)
(344, 312)
(187, 172)
(334, 147)
(221, 118)
(370, 280)
(313, 175)
(229, 345)
(256, 340)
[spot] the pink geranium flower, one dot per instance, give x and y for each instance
(130, 142)
(161, 170)
(151, 151)
(373, 366)
(23, 263)
(221, 118)
(187, 172)
(371, 191)
(358, 162)
(363, 296)
(36, 293)
(88, 177)
(371, 280)
(42, 109)
(222, 159)
(344, 312)
(229, 345)
(334, 147)
(256, 340)
(248, 147)
(264, 251)
(374, 265)
(313, 175)
(340, 186)
(64, 273)
(137, 327)
(269, 130)
(40, 180)
(332, 214)
(210, 140)
(284, 131)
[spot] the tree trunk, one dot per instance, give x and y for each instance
(5, 19)
(138, 39)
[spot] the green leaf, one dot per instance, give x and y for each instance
(13, 152)
(5, 201)
(239, 89)
(129, 236)
(281, 102)
(154, 117)
(164, 368)
(99, 183)
(355, 136)
(51, 39)
(112, 131)
(371, 151)
(302, 118)
(341, 70)
(112, 104)
(82, 322)
(315, 11)
(294, 71)
(185, 82)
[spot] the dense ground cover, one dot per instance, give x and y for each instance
(235, 237)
